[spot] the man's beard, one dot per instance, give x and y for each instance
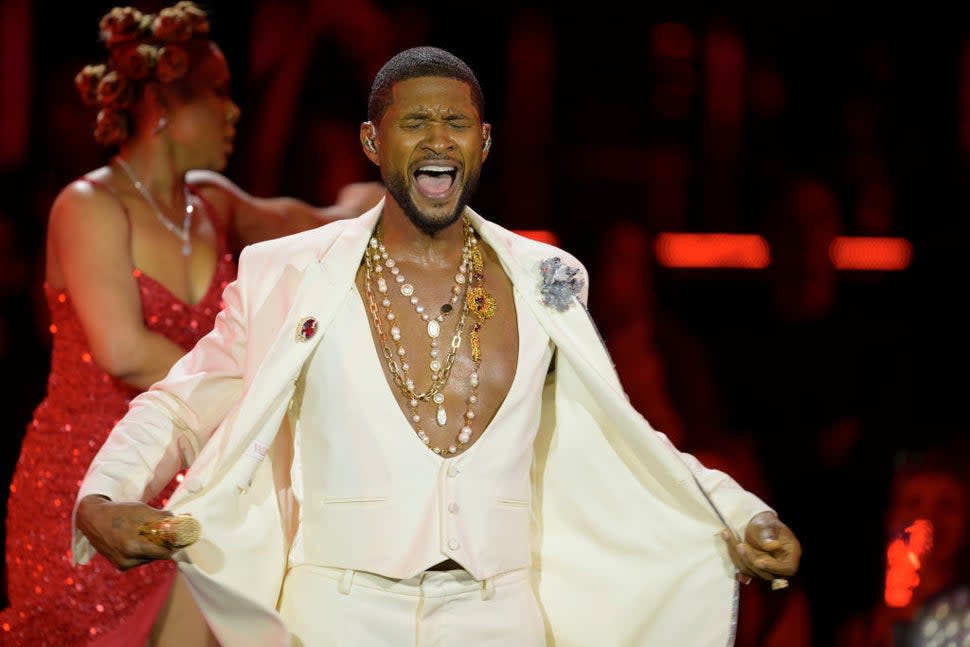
(398, 189)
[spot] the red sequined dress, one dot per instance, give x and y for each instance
(51, 601)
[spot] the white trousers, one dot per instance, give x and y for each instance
(330, 607)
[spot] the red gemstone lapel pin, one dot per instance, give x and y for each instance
(306, 329)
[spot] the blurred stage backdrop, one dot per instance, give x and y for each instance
(771, 201)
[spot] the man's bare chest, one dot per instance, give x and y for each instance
(449, 348)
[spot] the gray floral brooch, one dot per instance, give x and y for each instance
(560, 283)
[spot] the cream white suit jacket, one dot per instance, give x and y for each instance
(626, 548)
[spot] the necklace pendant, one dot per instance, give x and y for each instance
(480, 303)
(441, 417)
(476, 346)
(434, 328)
(186, 248)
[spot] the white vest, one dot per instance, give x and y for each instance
(374, 498)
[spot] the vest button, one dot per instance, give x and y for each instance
(453, 508)
(453, 471)
(454, 545)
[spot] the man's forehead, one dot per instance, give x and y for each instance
(431, 89)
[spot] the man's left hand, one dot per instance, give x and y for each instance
(770, 549)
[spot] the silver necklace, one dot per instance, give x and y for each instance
(182, 232)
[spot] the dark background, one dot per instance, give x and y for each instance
(682, 116)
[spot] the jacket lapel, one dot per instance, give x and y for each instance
(330, 274)
(577, 340)
(570, 330)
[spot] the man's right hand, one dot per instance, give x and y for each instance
(113, 530)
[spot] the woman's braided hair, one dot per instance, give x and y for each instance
(142, 48)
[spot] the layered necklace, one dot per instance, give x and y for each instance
(468, 290)
(183, 232)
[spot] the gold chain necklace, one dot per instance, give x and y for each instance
(373, 267)
(375, 258)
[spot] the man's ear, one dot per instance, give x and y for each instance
(368, 136)
(486, 139)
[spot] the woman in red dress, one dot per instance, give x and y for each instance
(138, 252)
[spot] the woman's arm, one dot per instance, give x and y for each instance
(89, 243)
(254, 219)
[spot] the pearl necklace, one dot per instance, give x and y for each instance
(382, 258)
(375, 259)
(183, 232)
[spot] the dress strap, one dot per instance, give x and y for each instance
(220, 227)
(104, 186)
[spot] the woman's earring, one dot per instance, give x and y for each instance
(160, 125)
(369, 145)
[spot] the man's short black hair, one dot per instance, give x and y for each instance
(416, 62)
